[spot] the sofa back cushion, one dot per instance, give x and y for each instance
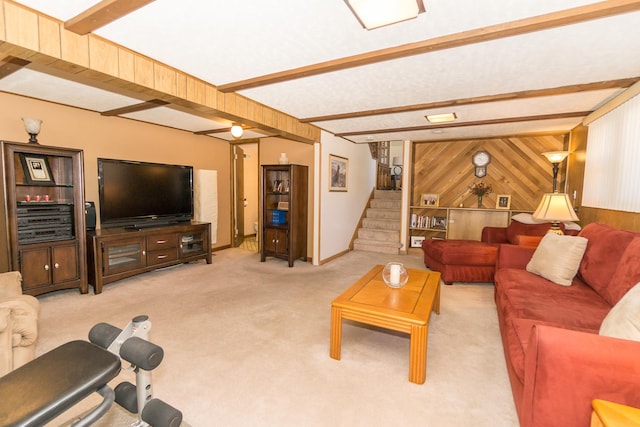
(627, 274)
(517, 228)
(605, 248)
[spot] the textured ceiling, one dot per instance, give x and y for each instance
(222, 42)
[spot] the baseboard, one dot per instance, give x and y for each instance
(336, 256)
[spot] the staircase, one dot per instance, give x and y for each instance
(380, 230)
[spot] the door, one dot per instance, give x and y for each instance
(65, 263)
(238, 195)
(35, 267)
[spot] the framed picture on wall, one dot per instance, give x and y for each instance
(429, 199)
(416, 241)
(503, 201)
(338, 173)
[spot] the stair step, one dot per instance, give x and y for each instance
(386, 204)
(388, 194)
(376, 246)
(383, 213)
(382, 235)
(381, 224)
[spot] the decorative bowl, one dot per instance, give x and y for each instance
(395, 275)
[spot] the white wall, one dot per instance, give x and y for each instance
(340, 211)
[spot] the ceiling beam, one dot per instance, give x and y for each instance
(494, 32)
(219, 130)
(102, 14)
(10, 65)
(563, 90)
(147, 105)
(465, 124)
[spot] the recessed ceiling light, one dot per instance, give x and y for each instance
(441, 118)
(378, 13)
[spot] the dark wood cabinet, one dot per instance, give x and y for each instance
(43, 204)
(116, 253)
(284, 204)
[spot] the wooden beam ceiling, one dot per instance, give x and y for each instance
(563, 90)
(102, 14)
(10, 65)
(465, 124)
(220, 130)
(147, 105)
(494, 32)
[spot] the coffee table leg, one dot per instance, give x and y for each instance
(336, 333)
(418, 354)
(436, 300)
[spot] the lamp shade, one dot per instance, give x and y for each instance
(555, 207)
(556, 156)
(31, 125)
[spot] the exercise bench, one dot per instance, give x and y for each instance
(46, 387)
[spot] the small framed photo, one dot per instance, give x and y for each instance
(338, 173)
(503, 201)
(283, 206)
(36, 169)
(416, 241)
(429, 199)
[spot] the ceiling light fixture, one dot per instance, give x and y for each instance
(378, 13)
(237, 131)
(441, 118)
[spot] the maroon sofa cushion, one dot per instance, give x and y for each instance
(627, 275)
(466, 252)
(605, 249)
(518, 228)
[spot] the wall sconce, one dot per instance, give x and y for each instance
(32, 126)
(236, 131)
(397, 165)
(555, 157)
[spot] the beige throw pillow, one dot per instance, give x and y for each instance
(623, 321)
(557, 258)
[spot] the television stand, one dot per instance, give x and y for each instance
(116, 253)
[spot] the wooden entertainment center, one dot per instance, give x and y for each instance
(116, 253)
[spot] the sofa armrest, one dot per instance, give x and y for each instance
(494, 235)
(530, 241)
(565, 370)
(10, 284)
(514, 256)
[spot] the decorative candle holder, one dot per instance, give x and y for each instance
(395, 275)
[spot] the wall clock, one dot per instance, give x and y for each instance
(480, 160)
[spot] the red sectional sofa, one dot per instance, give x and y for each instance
(472, 260)
(556, 360)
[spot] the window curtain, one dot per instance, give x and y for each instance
(612, 168)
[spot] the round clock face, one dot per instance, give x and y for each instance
(481, 158)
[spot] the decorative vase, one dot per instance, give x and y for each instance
(479, 200)
(395, 275)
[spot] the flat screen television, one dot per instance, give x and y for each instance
(139, 195)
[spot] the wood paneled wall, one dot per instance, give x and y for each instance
(517, 168)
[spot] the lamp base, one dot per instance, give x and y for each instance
(555, 228)
(33, 138)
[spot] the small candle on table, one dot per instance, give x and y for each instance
(395, 274)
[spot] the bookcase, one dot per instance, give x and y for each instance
(43, 208)
(284, 204)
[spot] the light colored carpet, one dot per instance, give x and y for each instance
(247, 343)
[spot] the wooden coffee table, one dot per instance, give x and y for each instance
(407, 310)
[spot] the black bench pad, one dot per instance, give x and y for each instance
(52, 383)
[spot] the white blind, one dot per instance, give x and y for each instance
(612, 168)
